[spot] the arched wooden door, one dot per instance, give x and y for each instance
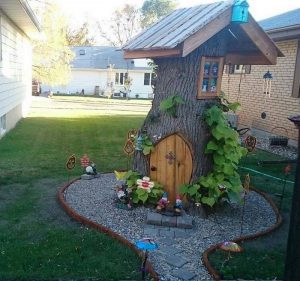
(171, 164)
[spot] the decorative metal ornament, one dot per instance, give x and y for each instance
(139, 143)
(267, 85)
(71, 163)
(128, 147)
(132, 133)
(250, 143)
(170, 157)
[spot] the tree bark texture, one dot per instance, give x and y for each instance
(179, 76)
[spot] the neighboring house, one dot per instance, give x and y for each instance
(18, 25)
(284, 98)
(103, 71)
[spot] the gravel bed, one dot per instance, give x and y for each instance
(288, 151)
(94, 199)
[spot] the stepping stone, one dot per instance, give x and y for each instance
(169, 250)
(181, 233)
(166, 241)
(153, 218)
(183, 274)
(185, 222)
(168, 221)
(151, 231)
(166, 233)
(175, 261)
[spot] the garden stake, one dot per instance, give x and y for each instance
(70, 165)
(287, 171)
(246, 187)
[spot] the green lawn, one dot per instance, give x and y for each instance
(38, 241)
(265, 255)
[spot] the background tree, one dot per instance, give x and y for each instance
(124, 25)
(52, 56)
(153, 10)
(80, 36)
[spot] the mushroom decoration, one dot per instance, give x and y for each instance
(146, 244)
(230, 247)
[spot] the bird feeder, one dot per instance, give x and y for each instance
(240, 11)
(267, 83)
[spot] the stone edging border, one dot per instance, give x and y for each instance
(101, 228)
(213, 272)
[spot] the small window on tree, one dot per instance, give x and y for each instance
(209, 83)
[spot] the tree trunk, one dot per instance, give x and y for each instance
(179, 76)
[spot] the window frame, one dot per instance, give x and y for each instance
(149, 79)
(296, 80)
(210, 95)
(120, 78)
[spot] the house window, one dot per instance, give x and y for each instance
(2, 124)
(147, 78)
(238, 69)
(82, 52)
(120, 78)
(209, 82)
(296, 84)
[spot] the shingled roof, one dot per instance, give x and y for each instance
(100, 57)
(184, 30)
(288, 19)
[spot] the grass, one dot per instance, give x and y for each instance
(265, 255)
(38, 241)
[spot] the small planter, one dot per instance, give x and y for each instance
(280, 139)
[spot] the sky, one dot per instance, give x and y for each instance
(79, 10)
(91, 11)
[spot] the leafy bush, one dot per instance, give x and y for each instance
(139, 195)
(223, 182)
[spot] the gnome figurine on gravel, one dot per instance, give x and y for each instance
(162, 203)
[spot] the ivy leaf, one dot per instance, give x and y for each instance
(218, 159)
(166, 104)
(178, 100)
(228, 169)
(212, 145)
(233, 106)
(184, 188)
(147, 150)
(208, 201)
(193, 189)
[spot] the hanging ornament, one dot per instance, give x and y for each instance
(267, 83)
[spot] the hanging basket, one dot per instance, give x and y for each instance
(279, 139)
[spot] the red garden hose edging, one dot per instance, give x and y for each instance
(216, 276)
(101, 228)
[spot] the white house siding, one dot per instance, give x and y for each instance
(81, 79)
(15, 73)
(138, 87)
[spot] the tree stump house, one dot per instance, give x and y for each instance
(190, 47)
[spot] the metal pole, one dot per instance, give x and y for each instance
(292, 263)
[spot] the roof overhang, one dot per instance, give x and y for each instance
(284, 33)
(266, 50)
(22, 15)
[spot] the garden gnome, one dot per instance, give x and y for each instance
(163, 202)
(91, 169)
(178, 205)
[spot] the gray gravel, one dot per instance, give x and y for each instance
(94, 199)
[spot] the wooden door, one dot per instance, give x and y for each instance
(171, 164)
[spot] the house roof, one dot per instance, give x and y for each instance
(20, 12)
(177, 26)
(100, 57)
(184, 30)
(288, 19)
(284, 26)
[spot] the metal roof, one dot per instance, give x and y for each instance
(177, 26)
(20, 12)
(288, 19)
(100, 57)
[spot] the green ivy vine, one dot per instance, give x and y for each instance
(170, 105)
(223, 182)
